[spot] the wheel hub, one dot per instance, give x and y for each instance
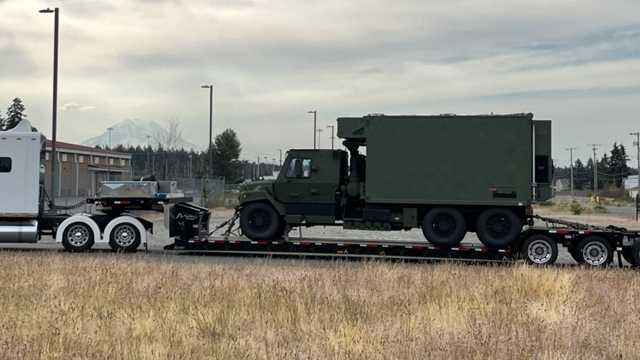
(78, 235)
(539, 252)
(595, 253)
(124, 235)
(443, 226)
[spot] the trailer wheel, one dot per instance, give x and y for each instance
(125, 237)
(594, 251)
(444, 226)
(77, 237)
(572, 252)
(635, 253)
(498, 228)
(259, 221)
(540, 249)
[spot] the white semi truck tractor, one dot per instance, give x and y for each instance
(26, 214)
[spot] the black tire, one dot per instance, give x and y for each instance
(540, 250)
(572, 252)
(260, 221)
(444, 226)
(77, 237)
(125, 237)
(498, 228)
(594, 251)
(635, 253)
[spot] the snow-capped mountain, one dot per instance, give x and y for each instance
(134, 132)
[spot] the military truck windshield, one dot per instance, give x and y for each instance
(305, 165)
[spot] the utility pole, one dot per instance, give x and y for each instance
(595, 171)
(280, 150)
(571, 159)
(209, 146)
(637, 144)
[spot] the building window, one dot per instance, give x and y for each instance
(46, 156)
(5, 164)
(122, 162)
(110, 161)
(64, 157)
(80, 159)
(96, 160)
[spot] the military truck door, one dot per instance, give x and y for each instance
(308, 183)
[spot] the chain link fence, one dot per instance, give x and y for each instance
(209, 192)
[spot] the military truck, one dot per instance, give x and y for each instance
(447, 174)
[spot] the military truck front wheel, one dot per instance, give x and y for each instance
(260, 221)
(498, 228)
(444, 226)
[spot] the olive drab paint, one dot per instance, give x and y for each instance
(396, 169)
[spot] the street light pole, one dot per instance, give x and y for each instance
(280, 150)
(315, 129)
(56, 12)
(332, 134)
(110, 129)
(210, 87)
(147, 167)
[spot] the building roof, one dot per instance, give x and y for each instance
(74, 147)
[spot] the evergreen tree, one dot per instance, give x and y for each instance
(226, 155)
(15, 114)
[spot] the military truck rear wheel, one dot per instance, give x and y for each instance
(498, 228)
(259, 221)
(444, 226)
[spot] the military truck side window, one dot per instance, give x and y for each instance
(291, 170)
(5, 164)
(306, 168)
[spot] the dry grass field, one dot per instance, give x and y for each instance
(71, 306)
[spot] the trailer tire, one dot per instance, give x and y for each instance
(572, 252)
(260, 221)
(444, 226)
(124, 237)
(498, 228)
(594, 251)
(635, 253)
(77, 237)
(540, 250)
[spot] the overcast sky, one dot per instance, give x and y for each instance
(576, 62)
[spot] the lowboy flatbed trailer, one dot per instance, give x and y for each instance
(589, 245)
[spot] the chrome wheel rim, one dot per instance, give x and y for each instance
(539, 251)
(124, 235)
(78, 235)
(595, 253)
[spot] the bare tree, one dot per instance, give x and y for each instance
(168, 141)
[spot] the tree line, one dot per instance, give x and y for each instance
(612, 169)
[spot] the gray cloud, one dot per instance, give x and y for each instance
(271, 61)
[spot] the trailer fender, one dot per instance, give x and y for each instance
(126, 219)
(81, 218)
(255, 196)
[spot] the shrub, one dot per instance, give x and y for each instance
(576, 208)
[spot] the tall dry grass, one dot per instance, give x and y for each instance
(78, 306)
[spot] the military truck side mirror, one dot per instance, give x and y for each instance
(298, 169)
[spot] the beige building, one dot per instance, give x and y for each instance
(81, 168)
